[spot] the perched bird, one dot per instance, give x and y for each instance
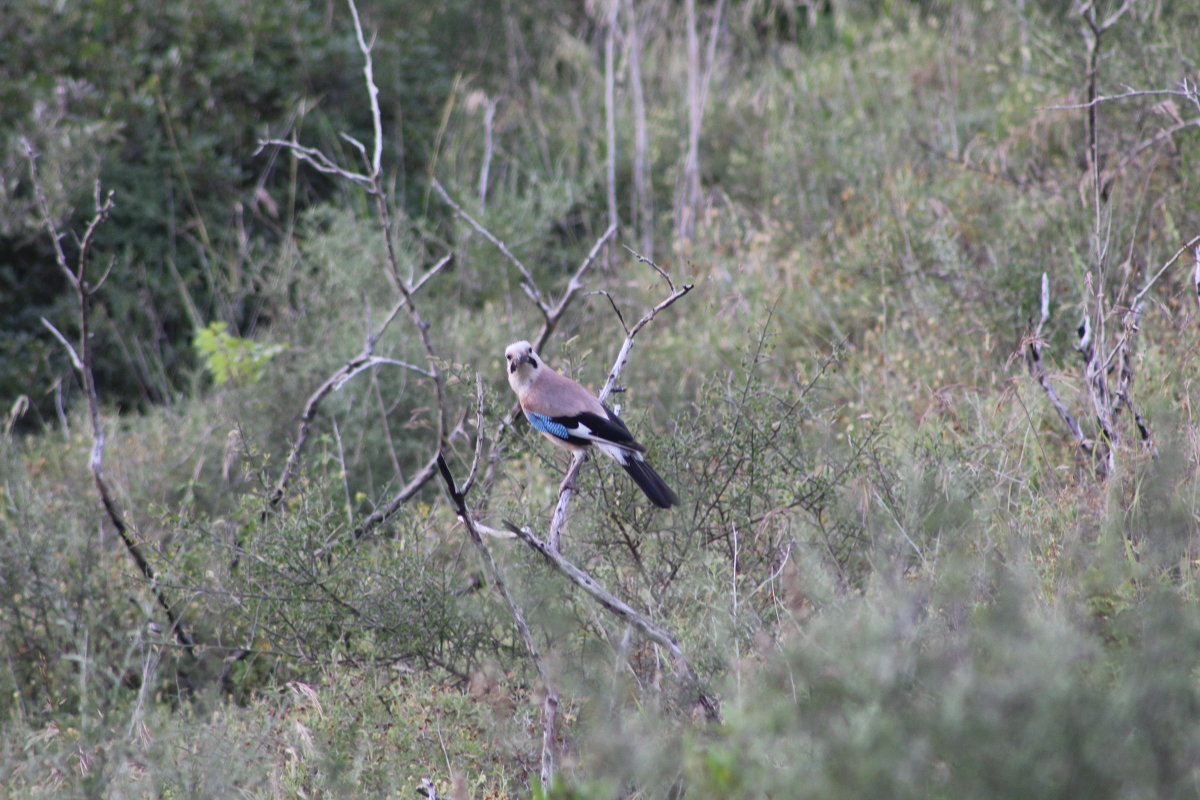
(573, 418)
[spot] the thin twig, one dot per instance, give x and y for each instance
(530, 284)
(1186, 93)
(574, 285)
(479, 434)
(610, 110)
(627, 346)
(75, 361)
(1191, 243)
(617, 311)
(656, 267)
(376, 361)
(317, 160)
(382, 515)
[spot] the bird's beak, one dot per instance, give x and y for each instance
(523, 358)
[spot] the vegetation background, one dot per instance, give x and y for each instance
(895, 564)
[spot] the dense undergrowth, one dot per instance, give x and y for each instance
(892, 562)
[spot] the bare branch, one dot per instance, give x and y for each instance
(372, 91)
(112, 262)
(1137, 149)
(623, 611)
(565, 490)
(375, 361)
(89, 236)
(47, 219)
(1185, 93)
(75, 361)
(373, 184)
(334, 382)
(489, 116)
(1191, 243)
(617, 311)
(610, 110)
(627, 346)
(656, 267)
(479, 434)
(530, 285)
(550, 704)
(573, 287)
(406, 492)
(643, 213)
(1116, 15)
(357, 145)
(81, 359)
(318, 161)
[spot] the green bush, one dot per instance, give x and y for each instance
(891, 563)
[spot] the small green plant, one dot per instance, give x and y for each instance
(229, 358)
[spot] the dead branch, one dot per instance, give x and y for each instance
(529, 285)
(699, 79)
(565, 490)
(369, 76)
(1107, 401)
(625, 612)
(574, 285)
(643, 212)
(1108, 376)
(81, 360)
(1187, 92)
(317, 160)
(1191, 245)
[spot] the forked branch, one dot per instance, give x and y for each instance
(81, 359)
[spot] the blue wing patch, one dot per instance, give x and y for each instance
(547, 425)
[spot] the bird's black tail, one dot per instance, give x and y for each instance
(649, 482)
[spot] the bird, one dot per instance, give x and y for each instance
(573, 418)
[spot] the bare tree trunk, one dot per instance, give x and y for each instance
(643, 202)
(687, 198)
(610, 109)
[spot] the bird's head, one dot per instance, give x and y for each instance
(523, 364)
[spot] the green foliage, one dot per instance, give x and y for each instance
(889, 561)
(165, 104)
(229, 358)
